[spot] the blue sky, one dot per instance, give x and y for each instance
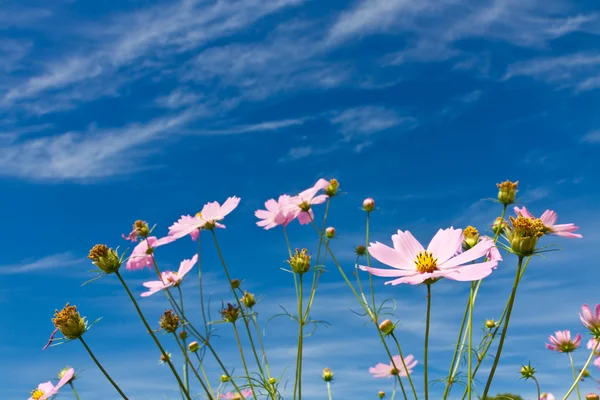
(116, 111)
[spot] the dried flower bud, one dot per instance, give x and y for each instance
(332, 188)
(387, 327)
(524, 234)
(105, 258)
(235, 283)
(527, 371)
(141, 228)
(169, 321)
(164, 358)
(230, 313)
(592, 396)
(330, 232)
(272, 381)
(327, 375)
(183, 335)
(193, 347)
(490, 324)
(507, 191)
(499, 225)
(248, 300)
(300, 261)
(381, 394)
(471, 237)
(224, 378)
(360, 250)
(69, 322)
(369, 204)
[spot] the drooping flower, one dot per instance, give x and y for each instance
(413, 264)
(547, 396)
(396, 368)
(561, 342)
(549, 219)
(207, 218)
(591, 320)
(170, 278)
(246, 394)
(276, 213)
(47, 389)
(141, 256)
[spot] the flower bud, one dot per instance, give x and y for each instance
(300, 261)
(69, 322)
(499, 225)
(527, 371)
(164, 358)
(507, 191)
(330, 232)
(64, 371)
(224, 378)
(230, 313)
(369, 204)
(524, 234)
(327, 375)
(332, 188)
(105, 258)
(360, 250)
(141, 228)
(381, 394)
(169, 321)
(248, 300)
(235, 283)
(490, 324)
(387, 327)
(470, 237)
(586, 373)
(193, 347)
(272, 381)
(183, 335)
(592, 396)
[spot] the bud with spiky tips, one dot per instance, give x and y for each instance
(470, 237)
(327, 375)
(169, 321)
(230, 313)
(330, 232)
(524, 234)
(105, 258)
(507, 191)
(69, 322)
(164, 358)
(300, 261)
(527, 371)
(248, 300)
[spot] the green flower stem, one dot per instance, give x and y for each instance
(367, 233)
(151, 332)
(200, 280)
(470, 351)
(74, 391)
(578, 378)
(394, 391)
(425, 358)
(239, 343)
(405, 368)
(329, 390)
(510, 305)
(575, 376)
(298, 380)
(270, 389)
(188, 361)
(102, 368)
(201, 367)
(186, 378)
(537, 385)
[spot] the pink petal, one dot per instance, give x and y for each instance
(524, 212)
(472, 272)
(322, 184)
(305, 218)
(393, 257)
(319, 199)
(230, 204)
(445, 244)
(186, 266)
(477, 251)
(549, 218)
(66, 378)
(564, 230)
(386, 272)
(407, 242)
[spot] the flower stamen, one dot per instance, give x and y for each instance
(425, 262)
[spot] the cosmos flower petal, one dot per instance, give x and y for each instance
(186, 266)
(393, 257)
(445, 244)
(475, 252)
(386, 272)
(405, 240)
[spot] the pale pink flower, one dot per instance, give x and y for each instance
(141, 256)
(442, 259)
(591, 320)
(47, 389)
(132, 237)
(396, 368)
(597, 362)
(549, 219)
(246, 393)
(276, 213)
(210, 215)
(562, 342)
(547, 396)
(300, 206)
(169, 278)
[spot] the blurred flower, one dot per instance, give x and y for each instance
(327, 375)
(246, 393)
(591, 320)
(193, 346)
(235, 283)
(507, 191)
(141, 256)
(549, 219)
(414, 265)
(248, 300)
(169, 278)
(381, 394)
(276, 213)
(547, 396)
(330, 187)
(395, 368)
(499, 225)
(169, 321)
(207, 218)
(46, 390)
(360, 250)
(562, 343)
(330, 232)
(230, 313)
(68, 372)
(592, 396)
(490, 324)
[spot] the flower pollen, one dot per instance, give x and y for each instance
(36, 394)
(425, 262)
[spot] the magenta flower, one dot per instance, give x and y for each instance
(547, 396)
(141, 256)
(300, 206)
(562, 343)
(591, 320)
(395, 368)
(169, 278)
(209, 216)
(276, 213)
(549, 219)
(246, 393)
(442, 259)
(47, 389)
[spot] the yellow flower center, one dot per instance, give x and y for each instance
(425, 262)
(393, 371)
(36, 394)
(199, 215)
(172, 278)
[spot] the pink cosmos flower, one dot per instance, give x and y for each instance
(246, 393)
(132, 237)
(141, 256)
(547, 396)
(211, 213)
(300, 206)
(395, 368)
(442, 259)
(276, 213)
(46, 390)
(591, 320)
(549, 219)
(169, 278)
(562, 343)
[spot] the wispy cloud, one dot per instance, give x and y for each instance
(367, 120)
(592, 137)
(260, 127)
(41, 264)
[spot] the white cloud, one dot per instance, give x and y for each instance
(260, 127)
(369, 120)
(178, 98)
(51, 262)
(592, 137)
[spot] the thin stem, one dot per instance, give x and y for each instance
(186, 378)
(287, 241)
(537, 385)
(204, 319)
(298, 380)
(367, 230)
(511, 302)
(201, 366)
(188, 361)
(405, 369)
(239, 343)
(151, 332)
(575, 375)
(74, 391)
(323, 229)
(102, 368)
(425, 358)
(264, 354)
(469, 353)
(587, 363)
(394, 391)
(329, 390)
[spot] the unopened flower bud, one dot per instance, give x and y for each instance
(300, 261)
(193, 347)
(369, 204)
(332, 188)
(470, 237)
(69, 322)
(169, 321)
(360, 250)
(330, 232)
(490, 324)
(527, 371)
(141, 228)
(235, 283)
(327, 375)
(586, 373)
(164, 358)
(224, 378)
(524, 234)
(592, 396)
(105, 258)
(272, 381)
(499, 225)
(64, 371)
(248, 300)
(230, 313)
(381, 394)
(507, 191)
(386, 327)
(183, 335)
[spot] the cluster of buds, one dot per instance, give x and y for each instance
(69, 322)
(527, 371)
(327, 375)
(524, 234)
(369, 204)
(330, 232)
(300, 261)
(230, 313)
(105, 258)
(470, 237)
(387, 327)
(507, 191)
(169, 321)
(332, 188)
(248, 300)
